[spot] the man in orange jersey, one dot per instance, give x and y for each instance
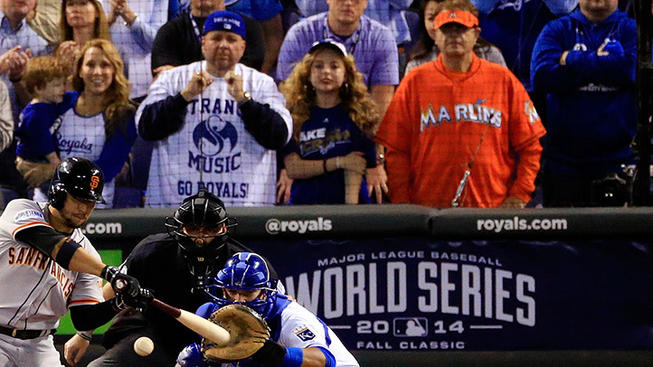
(461, 131)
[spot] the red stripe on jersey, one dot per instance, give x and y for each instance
(30, 224)
(84, 300)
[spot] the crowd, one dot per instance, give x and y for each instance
(444, 103)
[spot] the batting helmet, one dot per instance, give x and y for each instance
(203, 210)
(78, 177)
(245, 271)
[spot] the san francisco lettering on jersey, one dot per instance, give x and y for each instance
(29, 256)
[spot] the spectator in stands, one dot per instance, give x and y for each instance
(586, 64)
(19, 43)
(178, 42)
(6, 119)
(44, 80)
(6, 127)
(374, 51)
(513, 26)
(81, 21)
(389, 12)
(334, 120)
(133, 25)
(468, 137)
(370, 42)
(268, 13)
(217, 123)
(426, 50)
(99, 122)
(45, 20)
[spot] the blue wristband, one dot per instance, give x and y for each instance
(293, 358)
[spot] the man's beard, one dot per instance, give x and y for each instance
(69, 222)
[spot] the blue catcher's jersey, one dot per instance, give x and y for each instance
(292, 325)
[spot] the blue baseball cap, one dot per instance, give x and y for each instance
(223, 20)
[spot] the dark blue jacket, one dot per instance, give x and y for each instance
(591, 101)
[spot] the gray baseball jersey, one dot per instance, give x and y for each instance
(212, 149)
(35, 292)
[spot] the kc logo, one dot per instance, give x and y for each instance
(95, 181)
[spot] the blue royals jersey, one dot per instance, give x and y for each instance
(292, 325)
(328, 133)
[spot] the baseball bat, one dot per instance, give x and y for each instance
(200, 325)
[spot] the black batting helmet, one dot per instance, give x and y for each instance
(200, 210)
(78, 177)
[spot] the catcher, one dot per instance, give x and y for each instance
(295, 337)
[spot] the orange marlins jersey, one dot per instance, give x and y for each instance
(442, 122)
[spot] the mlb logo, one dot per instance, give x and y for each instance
(304, 334)
(227, 26)
(410, 326)
(452, 14)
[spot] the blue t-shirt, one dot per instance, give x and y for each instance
(36, 125)
(328, 133)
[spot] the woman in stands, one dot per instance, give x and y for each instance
(425, 49)
(334, 119)
(99, 123)
(81, 21)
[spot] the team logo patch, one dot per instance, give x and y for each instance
(529, 110)
(303, 333)
(210, 136)
(28, 214)
(95, 181)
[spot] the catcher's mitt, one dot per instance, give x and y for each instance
(247, 329)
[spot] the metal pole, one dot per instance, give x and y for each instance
(642, 185)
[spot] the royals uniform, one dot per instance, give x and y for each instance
(35, 292)
(293, 325)
(434, 131)
(213, 149)
(85, 136)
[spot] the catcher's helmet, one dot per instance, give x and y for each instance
(245, 271)
(203, 210)
(78, 177)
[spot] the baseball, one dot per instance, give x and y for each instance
(143, 346)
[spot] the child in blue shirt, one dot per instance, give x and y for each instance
(36, 157)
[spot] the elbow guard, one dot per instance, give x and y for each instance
(45, 239)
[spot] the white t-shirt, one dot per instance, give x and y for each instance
(212, 149)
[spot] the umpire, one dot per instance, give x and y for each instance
(174, 266)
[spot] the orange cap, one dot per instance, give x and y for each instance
(463, 17)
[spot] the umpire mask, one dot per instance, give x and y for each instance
(200, 226)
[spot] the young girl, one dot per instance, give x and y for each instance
(333, 118)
